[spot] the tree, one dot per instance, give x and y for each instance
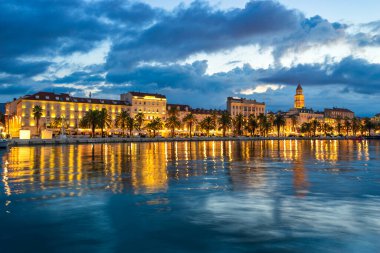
(139, 121)
(123, 120)
(37, 114)
(2, 118)
(104, 120)
(347, 125)
(154, 125)
(207, 124)
(279, 121)
(172, 122)
(339, 124)
(60, 123)
(368, 125)
(225, 122)
(252, 124)
(238, 123)
(306, 128)
(190, 120)
(215, 118)
(90, 120)
(264, 124)
(326, 127)
(314, 124)
(294, 120)
(355, 125)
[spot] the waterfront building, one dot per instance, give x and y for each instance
(19, 112)
(152, 105)
(299, 98)
(244, 106)
(335, 113)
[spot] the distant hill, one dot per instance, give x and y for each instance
(2, 107)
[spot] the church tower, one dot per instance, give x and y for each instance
(299, 99)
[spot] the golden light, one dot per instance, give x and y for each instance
(24, 134)
(46, 134)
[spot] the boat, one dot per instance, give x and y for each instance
(3, 143)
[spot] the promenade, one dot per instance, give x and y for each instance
(87, 140)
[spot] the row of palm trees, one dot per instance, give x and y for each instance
(346, 125)
(261, 124)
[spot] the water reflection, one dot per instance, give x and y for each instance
(150, 167)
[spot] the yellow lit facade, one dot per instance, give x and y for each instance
(244, 106)
(19, 113)
(150, 104)
(299, 99)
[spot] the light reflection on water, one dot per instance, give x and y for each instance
(247, 196)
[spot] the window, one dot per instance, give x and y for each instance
(47, 97)
(37, 97)
(56, 98)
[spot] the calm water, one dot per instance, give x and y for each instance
(263, 196)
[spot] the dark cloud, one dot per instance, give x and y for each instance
(355, 74)
(80, 77)
(200, 28)
(148, 43)
(24, 68)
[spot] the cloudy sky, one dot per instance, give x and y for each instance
(195, 52)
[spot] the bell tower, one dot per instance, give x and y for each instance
(299, 99)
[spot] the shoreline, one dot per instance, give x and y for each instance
(74, 141)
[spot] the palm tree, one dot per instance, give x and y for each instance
(90, 120)
(314, 124)
(368, 125)
(105, 120)
(60, 123)
(238, 123)
(122, 120)
(139, 121)
(130, 124)
(207, 124)
(347, 125)
(190, 120)
(225, 122)
(306, 128)
(252, 124)
(264, 124)
(294, 120)
(215, 118)
(37, 114)
(279, 121)
(355, 125)
(339, 124)
(2, 118)
(172, 122)
(326, 127)
(154, 125)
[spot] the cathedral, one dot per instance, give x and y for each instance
(299, 99)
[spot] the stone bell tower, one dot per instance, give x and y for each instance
(299, 99)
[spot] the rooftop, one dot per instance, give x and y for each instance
(179, 107)
(338, 109)
(143, 94)
(63, 97)
(244, 100)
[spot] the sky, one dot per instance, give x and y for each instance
(195, 52)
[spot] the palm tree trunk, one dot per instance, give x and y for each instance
(37, 125)
(190, 129)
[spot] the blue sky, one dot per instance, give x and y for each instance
(195, 52)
